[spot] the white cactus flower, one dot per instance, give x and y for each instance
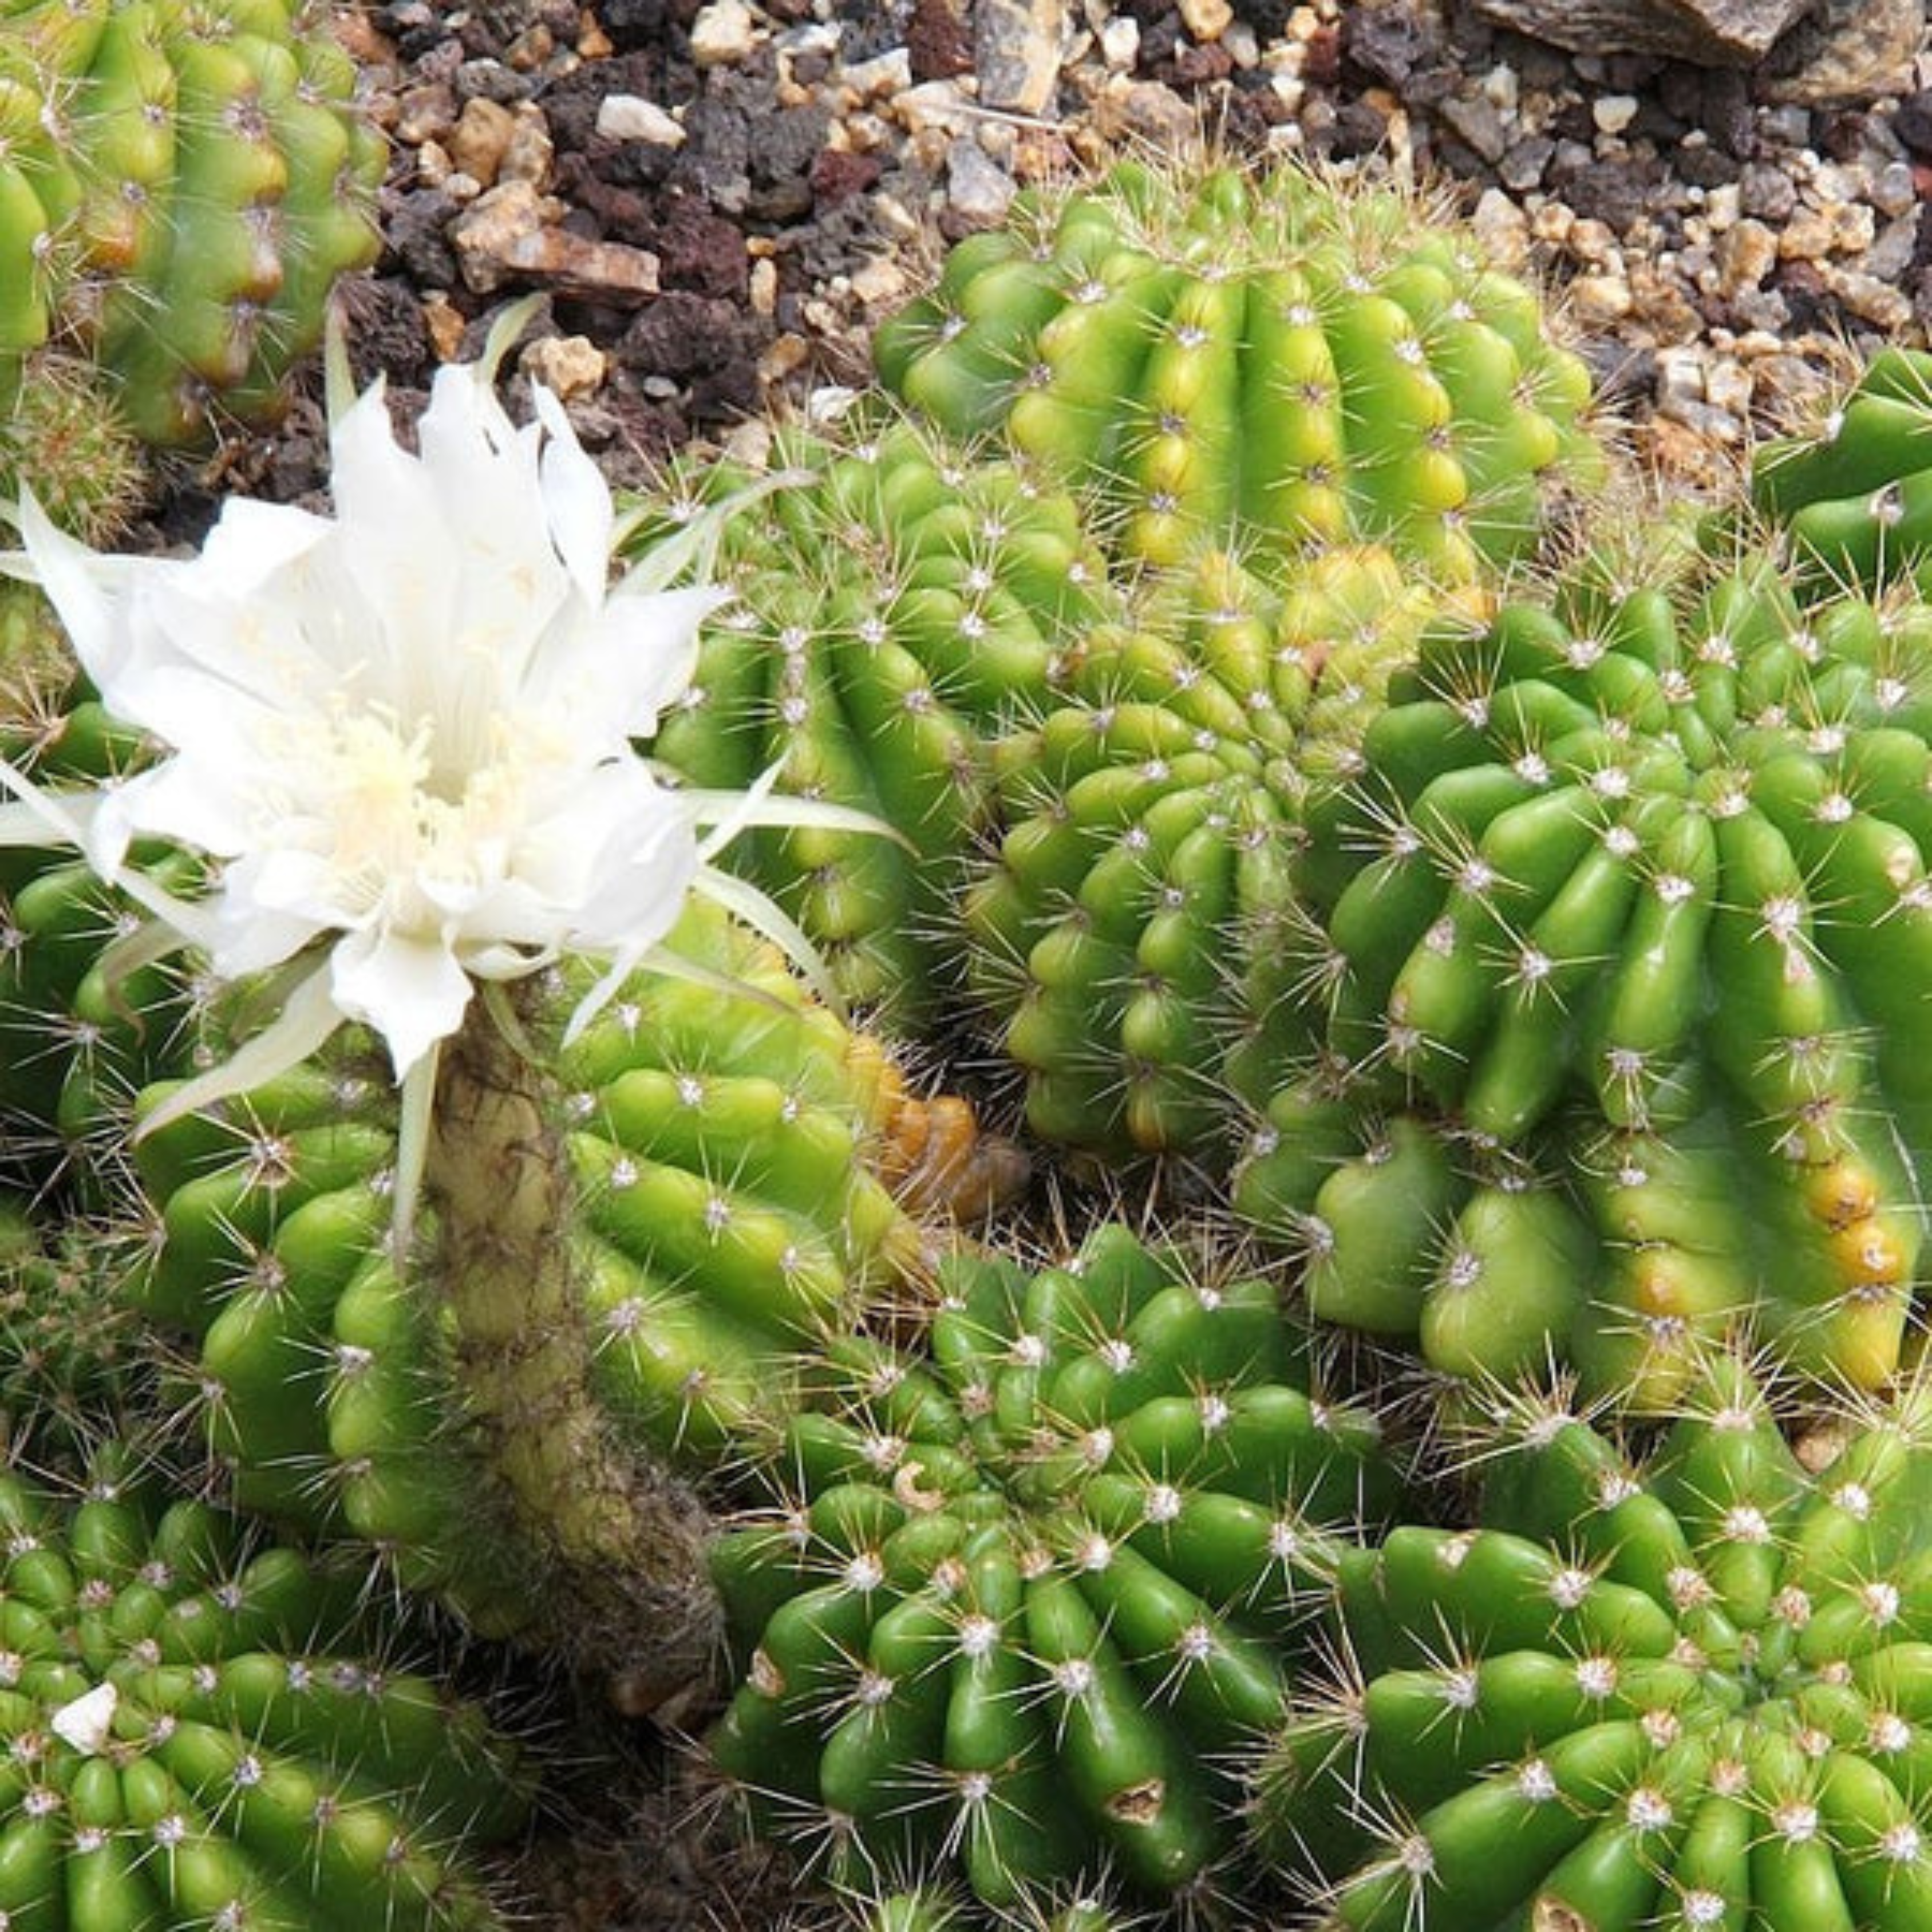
(405, 732)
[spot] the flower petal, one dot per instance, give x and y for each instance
(410, 989)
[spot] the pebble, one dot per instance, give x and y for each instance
(1613, 112)
(1746, 254)
(1016, 50)
(1207, 20)
(630, 117)
(1120, 42)
(975, 186)
(723, 34)
(571, 367)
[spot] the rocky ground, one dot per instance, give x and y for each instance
(721, 199)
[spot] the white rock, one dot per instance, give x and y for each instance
(889, 72)
(630, 117)
(1613, 112)
(1120, 42)
(973, 185)
(722, 33)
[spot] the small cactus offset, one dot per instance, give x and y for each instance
(1287, 363)
(1615, 934)
(201, 1731)
(1026, 1602)
(1685, 1690)
(182, 181)
(894, 606)
(1853, 496)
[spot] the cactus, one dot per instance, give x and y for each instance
(1684, 1690)
(1291, 362)
(893, 608)
(200, 1731)
(1153, 816)
(74, 1367)
(1021, 1605)
(182, 181)
(1616, 936)
(718, 1217)
(79, 1032)
(1854, 496)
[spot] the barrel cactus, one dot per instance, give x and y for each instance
(1686, 1689)
(203, 1731)
(1291, 362)
(1022, 1605)
(1614, 937)
(1124, 940)
(891, 608)
(182, 181)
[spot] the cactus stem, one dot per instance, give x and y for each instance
(626, 1540)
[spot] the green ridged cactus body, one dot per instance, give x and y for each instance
(1619, 937)
(720, 1218)
(1684, 1690)
(1286, 363)
(1854, 496)
(201, 1731)
(78, 1037)
(181, 182)
(1153, 819)
(74, 1365)
(1027, 1601)
(893, 608)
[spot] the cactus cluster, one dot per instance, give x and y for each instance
(1545, 965)
(1027, 1594)
(1683, 1689)
(181, 183)
(202, 1731)
(1287, 364)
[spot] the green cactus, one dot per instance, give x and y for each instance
(201, 1731)
(1619, 1037)
(1153, 817)
(1853, 496)
(75, 1368)
(1682, 1690)
(1022, 1603)
(716, 1214)
(1290, 363)
(79, 1033)
(891, 610)
(182, 181)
